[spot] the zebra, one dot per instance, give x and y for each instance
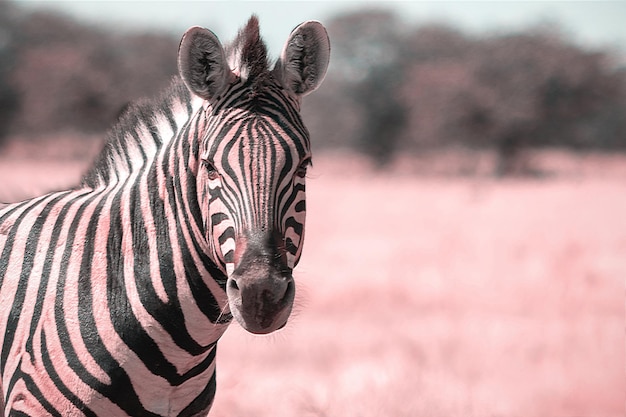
(113, 294)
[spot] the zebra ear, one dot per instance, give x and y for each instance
(202, 63)
(304, 60)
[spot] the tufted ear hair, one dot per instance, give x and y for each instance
(304, 60)
(202, 63)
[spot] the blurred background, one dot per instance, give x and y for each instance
(409, 78)
(466, 238)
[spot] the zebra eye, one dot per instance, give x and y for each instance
(211, 170)
(301, 171)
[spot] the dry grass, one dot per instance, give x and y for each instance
(426, 297)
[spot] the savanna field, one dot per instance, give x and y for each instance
(431, 295)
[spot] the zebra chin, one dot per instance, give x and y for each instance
(261, 297)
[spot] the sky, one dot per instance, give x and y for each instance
(594, 24)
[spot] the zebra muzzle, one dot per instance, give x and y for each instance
(261, 289)
(260, 303)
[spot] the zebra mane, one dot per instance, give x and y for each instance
(127, 139)
(247, 55)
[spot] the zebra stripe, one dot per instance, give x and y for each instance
(113, 295)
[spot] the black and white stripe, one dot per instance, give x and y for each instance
(113, 295)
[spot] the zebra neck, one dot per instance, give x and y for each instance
(147, 170)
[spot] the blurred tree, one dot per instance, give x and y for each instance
(9, 100)
(391, 87)
(332, 117)
(436, 74)
(510, 93)
(74, 77)
(533, 90)
(366, 58)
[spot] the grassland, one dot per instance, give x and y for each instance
(433, 296)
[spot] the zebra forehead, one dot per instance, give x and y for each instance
(259, 136)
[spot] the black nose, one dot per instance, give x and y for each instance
(261, 303)
(261, 289)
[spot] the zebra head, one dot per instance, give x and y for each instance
(254, 153)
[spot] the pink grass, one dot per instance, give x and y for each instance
(426, 297)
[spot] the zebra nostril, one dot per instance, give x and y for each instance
(232, 284)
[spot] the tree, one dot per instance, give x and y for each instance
(9, 100)
(510, 93)
(74, 77)
(367, 47)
